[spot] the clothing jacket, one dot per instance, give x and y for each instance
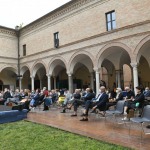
(89, 96)
(77, 96)
(120, 97)
(6, 95)
(147, 93)
(102, 100)
(139, 98)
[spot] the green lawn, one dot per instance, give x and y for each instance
(29, 136)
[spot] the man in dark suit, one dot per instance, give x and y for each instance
(99, 102)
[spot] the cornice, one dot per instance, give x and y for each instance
(3, 57)
(64, 10)
(51, 17)
(8, 31)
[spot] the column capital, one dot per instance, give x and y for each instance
(48, 75)
(96, 69)
(134, 65)
(97, 72)
(20, 78)
(32, 77)
(69, 74)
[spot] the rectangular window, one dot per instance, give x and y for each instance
(56, 40)
(111, 20)
(24, 50)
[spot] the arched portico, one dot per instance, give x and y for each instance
(80, 71)
(113, 56)
(57, 70)
(8, 76)
(25, 80)
(109, 73)
(38, 75)
(142, 52)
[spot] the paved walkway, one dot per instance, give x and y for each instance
(109, 131)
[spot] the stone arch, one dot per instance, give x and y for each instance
(55, 61)
(10, 67)
(75, 57)
(101, 55)
(138, 48)
(24, 68)
(36, 66)
(141, 43)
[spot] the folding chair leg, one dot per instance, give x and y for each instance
(105, 118)
(142, 130)
(130, 127)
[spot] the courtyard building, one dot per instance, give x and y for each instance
(84, 43)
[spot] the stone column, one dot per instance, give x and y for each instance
(70, 79)
(49, 82)
(97, 74)
(135, 75)
(118, 78)
(92, 80)
(54, 82)
(32, 82)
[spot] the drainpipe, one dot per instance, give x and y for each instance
(17, 29)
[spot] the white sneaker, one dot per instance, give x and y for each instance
(125, 119)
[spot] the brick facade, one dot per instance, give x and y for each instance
(83, 38)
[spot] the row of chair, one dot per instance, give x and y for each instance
(145, 116)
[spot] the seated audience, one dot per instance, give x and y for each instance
(76, 101)
(147, 92)
(47, 101)
(130, 94)
(16, 98)
(35, 97)
(54, 96)
(67, 100)
(6, 95)
(61, 98)
(133, 103)
(1, 98)
(99, 103)
(113, 101)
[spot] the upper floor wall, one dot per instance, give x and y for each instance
(8, 47)
(8, 43)
(87, 19)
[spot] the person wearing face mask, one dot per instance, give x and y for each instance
(113, 101)
(147, 92)
(137, 102)
(130, 94)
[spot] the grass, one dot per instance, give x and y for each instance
(29, 136)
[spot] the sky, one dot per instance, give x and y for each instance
(16, 12)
